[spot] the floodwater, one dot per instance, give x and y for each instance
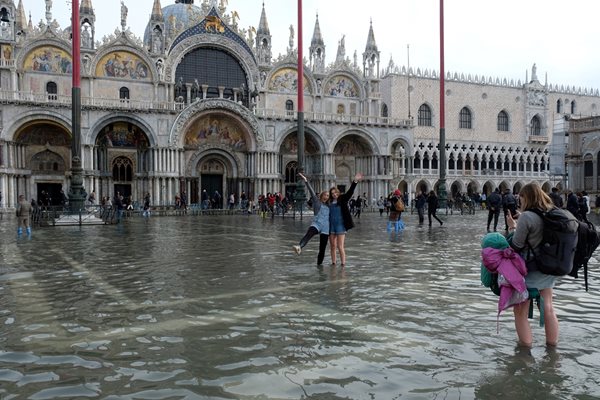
(219, 307)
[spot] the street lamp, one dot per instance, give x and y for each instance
(299, 194)
(442, 146)
(76, 192)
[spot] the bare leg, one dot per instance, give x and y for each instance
(550, 318)
(332, 246)
(522, 324)
(342, 250)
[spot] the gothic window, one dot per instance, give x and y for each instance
(384, 110)
(588, 167)
(503, 121)
(417, 161)
(426, 161)
(289, 107)
(48, 162)
(573, 107)
(536, 126)
(424, 115)
(52, 90)
(124, 93)
(559, 106)
(465, 118)
(291, 170)
(122, 170)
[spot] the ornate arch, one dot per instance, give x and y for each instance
(36, 116)
(308, 129)
(47, 42)
(124, 43)
(371, 141)
(231, 108)
(95, 130)
(336, 83)
(219, 42)
(223, 152)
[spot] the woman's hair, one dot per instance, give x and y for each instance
(532, 196)
(322, 195)
(432, 193)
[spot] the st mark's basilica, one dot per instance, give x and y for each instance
(202, 103)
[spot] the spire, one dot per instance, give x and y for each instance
(317, 39)
(86, 7)
(371, 56)
(263, 26)
(317, 49)
(30, 23)
(157, 14)
(21, 17)
(371, 45)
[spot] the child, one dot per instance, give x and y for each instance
(320, 223)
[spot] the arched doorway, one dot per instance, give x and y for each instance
(47, 147)
(213, 172)
(352, 153)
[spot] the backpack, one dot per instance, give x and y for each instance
(587, 242)
(556, 252)
(399, 205)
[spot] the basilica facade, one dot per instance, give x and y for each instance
(200, 103)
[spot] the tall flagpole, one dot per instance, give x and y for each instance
(299, 195)
(76, 192)
(442, 146)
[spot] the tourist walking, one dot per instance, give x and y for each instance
(340, 219)
(320, 223)
(420, 202)
(395, 216)
(23, 216)
(146, 207)
(432, 205)
(556, 198)
(528, 234)
(381, 205)
(494, 202)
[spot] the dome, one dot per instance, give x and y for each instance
(177, 18)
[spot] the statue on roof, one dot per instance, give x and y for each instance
(123, 16)
(49, 11)
(534, 73)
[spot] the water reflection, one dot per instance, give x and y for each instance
(221, 308)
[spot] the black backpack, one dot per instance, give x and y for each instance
(587, 242)
(556, 252)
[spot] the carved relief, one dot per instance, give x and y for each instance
(216, 129)
(122, 64)
(286, 81)
(341, 86)
(49, 59)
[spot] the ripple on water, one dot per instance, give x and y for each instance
(220, 307)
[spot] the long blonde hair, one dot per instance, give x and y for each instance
(532, 196)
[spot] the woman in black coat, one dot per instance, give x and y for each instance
(340, 219)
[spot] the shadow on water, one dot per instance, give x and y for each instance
(220, 307)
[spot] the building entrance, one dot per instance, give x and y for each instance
(212, 183)
(49, 194)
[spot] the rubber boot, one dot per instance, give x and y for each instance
(389, 226)
(28, 231)
(19, 231)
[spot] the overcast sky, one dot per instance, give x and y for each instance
(492, 38)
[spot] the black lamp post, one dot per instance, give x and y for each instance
(299, 194)
(76, 192)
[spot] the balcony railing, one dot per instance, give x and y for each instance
(50, 99)
(537, 139)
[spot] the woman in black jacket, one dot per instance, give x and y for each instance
(340, 219)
